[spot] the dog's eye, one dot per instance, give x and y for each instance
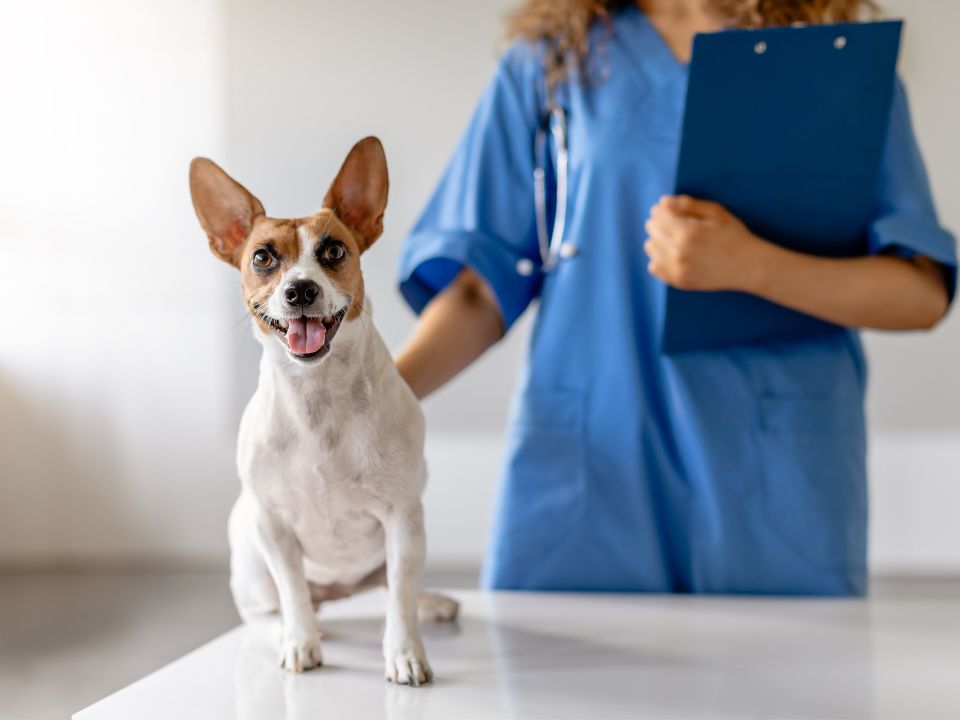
(334, 252)
(263, 260)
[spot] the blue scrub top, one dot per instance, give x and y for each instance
(740, 470)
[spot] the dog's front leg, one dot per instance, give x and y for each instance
(284, 557)
(406, 661)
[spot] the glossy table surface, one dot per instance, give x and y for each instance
(524, 655)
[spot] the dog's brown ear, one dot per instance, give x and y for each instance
(225, 208)
(359, 194)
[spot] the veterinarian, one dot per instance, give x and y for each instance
(741, 470)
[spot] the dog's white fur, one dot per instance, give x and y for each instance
(330, 457)
(331, 465)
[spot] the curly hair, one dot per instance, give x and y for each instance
(563, 26)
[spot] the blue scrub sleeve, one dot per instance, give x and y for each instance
(906, 221)
(481, 214)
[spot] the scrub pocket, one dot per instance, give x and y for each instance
(813, 451)
(546, 474)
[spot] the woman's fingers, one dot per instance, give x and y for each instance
(657, 226)
(692, 207)
(656, 251)
(679, 230)
(659, 249)
(663, 224)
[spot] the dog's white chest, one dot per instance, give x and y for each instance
(329, 457)
(321, 487)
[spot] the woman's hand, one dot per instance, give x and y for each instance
(699, 245)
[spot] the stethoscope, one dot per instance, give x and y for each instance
(552, 248)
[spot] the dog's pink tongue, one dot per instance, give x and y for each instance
(306, 335)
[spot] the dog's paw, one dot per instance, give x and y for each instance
(300, 653)
(407, 667)
(434, 607)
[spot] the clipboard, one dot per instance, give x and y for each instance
(786, 128)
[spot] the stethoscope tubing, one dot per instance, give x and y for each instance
(554, 122)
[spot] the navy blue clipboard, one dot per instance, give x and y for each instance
(786, 128)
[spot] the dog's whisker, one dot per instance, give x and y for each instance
(238, 323)
(367, 311)
(333, 213)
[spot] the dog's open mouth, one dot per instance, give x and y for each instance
(308, 337)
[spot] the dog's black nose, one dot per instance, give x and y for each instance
(301, 293)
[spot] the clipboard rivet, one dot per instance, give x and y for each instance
(525, 267)
(840, 42)
(760, 48)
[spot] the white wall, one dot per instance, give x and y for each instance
(914, 402)
(113, 379)
(124, 370)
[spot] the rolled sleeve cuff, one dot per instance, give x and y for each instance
(432, 259)
(908, 237)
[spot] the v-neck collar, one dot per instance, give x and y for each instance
(646, 49)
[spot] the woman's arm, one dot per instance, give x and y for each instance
(456, 328)
(880, 291)
(699, 245)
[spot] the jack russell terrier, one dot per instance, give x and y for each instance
(330, 452)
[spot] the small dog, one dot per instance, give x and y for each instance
(330, 452)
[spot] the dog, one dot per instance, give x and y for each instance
(330, 449)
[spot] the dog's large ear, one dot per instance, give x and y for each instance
(359, 194)
(225, 208)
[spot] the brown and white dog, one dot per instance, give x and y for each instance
(330, 452)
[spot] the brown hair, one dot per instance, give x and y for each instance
(563, 26)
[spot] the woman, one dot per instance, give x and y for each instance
(737, 470)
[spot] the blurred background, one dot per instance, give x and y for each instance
(127, 357)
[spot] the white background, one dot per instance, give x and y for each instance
(125, 359)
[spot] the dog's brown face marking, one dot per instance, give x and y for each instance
(264, 248)
(337, 249)
(277, 240)
(332, 245)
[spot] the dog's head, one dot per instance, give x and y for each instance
(301, 278)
